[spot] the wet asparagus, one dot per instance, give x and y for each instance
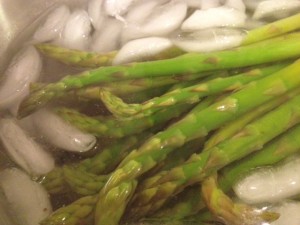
(280, 48)
(118, 128)
(197, 124)
(188, 95)
(249, 139)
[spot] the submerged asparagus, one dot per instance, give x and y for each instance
(79, 212)
(76, 57)
(110, 179)
(186, 95)
(199, 123)
(274, 29)
(233, 127)
(277, 150)
(102, 162)
(93, 59)
(228, 211)
(117, 128)
(274, 50)
(248, 140)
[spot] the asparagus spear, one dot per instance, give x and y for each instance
(86, 183)
(93, 59)
(228, 211)
(274, 50)
(198, 167)
(82, 182)
(273, 29)
(188, 203)
(126, 87)
(280, 148)
(277, 150)
(186, 95)
(76, 57)
(199, 123)
(109, 210)
(79, 212)
(54, 181)
(118, 128)
(233, 127)
(105, 161)
(109, 158)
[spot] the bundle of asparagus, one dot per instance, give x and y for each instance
(194, 141)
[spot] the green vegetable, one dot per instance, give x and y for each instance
(79, 212)
(274, 29)
(230, 212)
(118, 128)
(198, 167)
(280, 48)
(93, 59)
(188, 95)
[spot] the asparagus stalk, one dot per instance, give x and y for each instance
(200, 121)
(233, 127)
(273, 29)
(280, 148)
(188, 203)
(118, 128)
(82, 182)
(112, 207)
(76, 57)
(54, 181)
(274, 50)
(79, 212)
(196, 124)
(86, 183)
(186, 95)
(109, 158)
(228, 211)
(93, 59)
(105, 161)
(277, 150)
(198, 167)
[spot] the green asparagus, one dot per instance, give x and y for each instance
(82, 182)
(109, 210)
(93, 59)
(199, 123)
(188, 203)
(79, 212)
(233, 127)
(277, 150)
(103, 162)
(118, 128)
(280, 48)
(76, 57)
(273, 29)
(228, 211)
(198, 167)
(188, 95)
